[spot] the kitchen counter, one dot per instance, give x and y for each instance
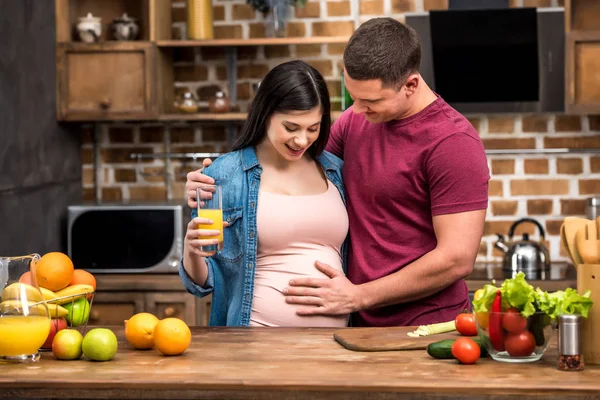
(295, 363)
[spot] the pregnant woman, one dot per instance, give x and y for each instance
(283, 207)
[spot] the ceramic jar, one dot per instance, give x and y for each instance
(219, 103)
(125, 28)
(89, 28)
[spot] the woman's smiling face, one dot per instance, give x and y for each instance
(293, 132)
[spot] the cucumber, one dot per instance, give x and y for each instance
(443, 349)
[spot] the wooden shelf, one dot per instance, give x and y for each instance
(253, 42)
(109, 45)
(234, 116)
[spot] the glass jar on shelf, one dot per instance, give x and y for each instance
(186, 102)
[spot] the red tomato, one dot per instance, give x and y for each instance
(465, 324)
(519, 344)
(513, 321)
(466, 350)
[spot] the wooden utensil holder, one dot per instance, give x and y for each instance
(588, 278)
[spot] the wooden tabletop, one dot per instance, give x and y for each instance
(276, 363)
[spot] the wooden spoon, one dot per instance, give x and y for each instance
(563, 241)
(572, 225)
(588, 244)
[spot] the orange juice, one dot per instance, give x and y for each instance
(217, 217)
(21, 335)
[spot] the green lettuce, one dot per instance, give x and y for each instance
(564, 302)
(517, 293)
(484, 303)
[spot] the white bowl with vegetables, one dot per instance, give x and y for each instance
(516, 322)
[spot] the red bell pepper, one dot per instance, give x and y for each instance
(495, 326)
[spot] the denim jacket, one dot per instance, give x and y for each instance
(231, 270)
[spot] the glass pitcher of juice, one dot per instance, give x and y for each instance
(24, 316)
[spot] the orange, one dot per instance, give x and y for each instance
(139, 330)
(172, 336)
(81, 276)
(54, 271)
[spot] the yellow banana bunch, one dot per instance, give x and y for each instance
(48, 294)
(21, 291)
(18, 307)
(71, 293)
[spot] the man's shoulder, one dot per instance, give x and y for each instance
(454, 122)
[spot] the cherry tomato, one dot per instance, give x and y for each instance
(465, 324)
(519, 344)
(466, 350)
(513, 321)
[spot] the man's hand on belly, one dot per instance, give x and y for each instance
(333, 296)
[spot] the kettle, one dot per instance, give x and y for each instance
(525, 255)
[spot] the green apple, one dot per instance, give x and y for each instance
(100, 344)
(67, 344)
(79, 311)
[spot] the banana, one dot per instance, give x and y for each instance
(48, 294)
(18, 291)
(57, 311)
(17, 307)
(71, 293)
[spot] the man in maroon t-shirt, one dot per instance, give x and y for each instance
(416, 180)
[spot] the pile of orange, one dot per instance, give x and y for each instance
(170, 336)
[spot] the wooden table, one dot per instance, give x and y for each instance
(289, 363)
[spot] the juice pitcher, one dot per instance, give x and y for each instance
(24, 316)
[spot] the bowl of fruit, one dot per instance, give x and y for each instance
(515, 322)
(68, 293)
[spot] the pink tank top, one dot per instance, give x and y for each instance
(293, 233)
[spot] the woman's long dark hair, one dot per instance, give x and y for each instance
(291, 86)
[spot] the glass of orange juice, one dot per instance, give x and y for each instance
(24, 316)
(210, 206)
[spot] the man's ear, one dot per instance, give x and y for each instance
(412, 83)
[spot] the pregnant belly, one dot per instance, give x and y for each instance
(269, 307)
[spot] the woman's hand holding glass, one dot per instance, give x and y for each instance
(202, 238)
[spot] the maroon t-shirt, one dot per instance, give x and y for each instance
(397, 175)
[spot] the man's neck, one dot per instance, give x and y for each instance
(422, 98)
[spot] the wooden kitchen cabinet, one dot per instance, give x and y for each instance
(582, 39)
(119, 296)
(114, 308)
(172, 305)
(106, 81)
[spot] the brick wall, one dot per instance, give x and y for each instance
(543, 187)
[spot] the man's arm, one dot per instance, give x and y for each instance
(458, 237)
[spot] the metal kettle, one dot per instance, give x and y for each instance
(524, 255)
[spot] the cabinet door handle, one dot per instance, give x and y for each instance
(105, 104)
(169, 311)
(95, 315)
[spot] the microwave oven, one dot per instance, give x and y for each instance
(127, 238)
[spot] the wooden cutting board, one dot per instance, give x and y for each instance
(387, 339)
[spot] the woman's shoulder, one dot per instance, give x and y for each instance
(330, 161)
(223, 167)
